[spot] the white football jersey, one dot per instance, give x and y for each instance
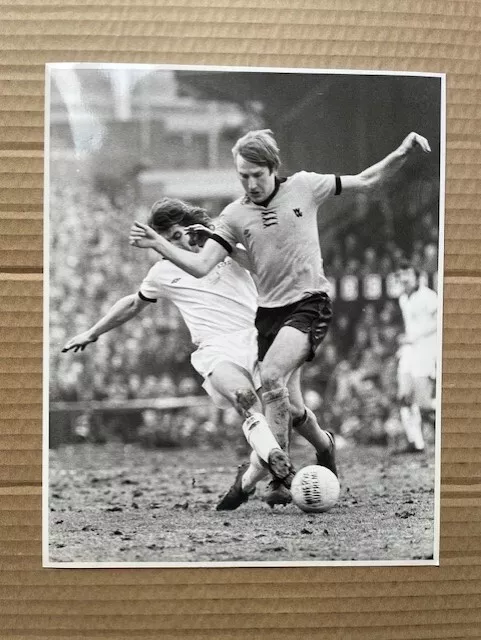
(418, 310)
(223, 301)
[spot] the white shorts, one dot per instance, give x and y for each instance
(416, 362)
(239, 348)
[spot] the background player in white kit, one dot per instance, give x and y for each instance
(219, 311)
(417, 355)
(276, 221)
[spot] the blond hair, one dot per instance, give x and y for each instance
(259, 147)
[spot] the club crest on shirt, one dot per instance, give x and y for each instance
(298, 212)
(269, 218)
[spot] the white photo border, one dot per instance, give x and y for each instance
(46, 563)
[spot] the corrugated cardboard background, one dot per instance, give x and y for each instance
(335, 603)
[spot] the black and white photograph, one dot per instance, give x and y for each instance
(243, 316)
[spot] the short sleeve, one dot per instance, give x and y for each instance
(151, 288)
(224, 231)
(322, 185)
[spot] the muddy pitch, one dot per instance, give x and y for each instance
(116, 503)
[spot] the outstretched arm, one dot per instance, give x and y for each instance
(374, 177)
(122, 311)
(199, 234)
(197, 264)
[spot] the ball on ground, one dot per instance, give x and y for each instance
(315, 489)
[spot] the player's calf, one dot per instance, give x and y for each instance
(261, 439)
(278, 414)
(259, 436)
(323, 441)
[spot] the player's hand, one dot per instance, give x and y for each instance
(142, 236)
(414, 141)
(78, 343)
(198, 234)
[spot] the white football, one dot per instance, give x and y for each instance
(315, 489)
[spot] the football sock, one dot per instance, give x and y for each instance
(255, 472)
(308, 427)
(405, 413)
(259, 436)
(278, 414)
(418, 427)
(411, 421)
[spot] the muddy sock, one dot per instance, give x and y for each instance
(278, 414)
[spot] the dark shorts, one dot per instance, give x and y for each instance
(311, 315)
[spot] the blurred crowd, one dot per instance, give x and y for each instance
(351, 384)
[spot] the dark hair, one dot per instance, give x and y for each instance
(169, 211)
(259, 147)
(405, 265)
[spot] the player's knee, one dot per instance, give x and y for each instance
(245, 400)
(271, 379)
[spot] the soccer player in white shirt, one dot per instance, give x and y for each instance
(219, 310)
(417, 355)
(276, 222)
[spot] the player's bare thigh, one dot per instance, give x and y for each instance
(230, 380)
(287, 353)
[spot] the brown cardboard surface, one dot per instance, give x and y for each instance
(339, 603)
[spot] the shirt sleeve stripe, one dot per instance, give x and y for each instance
(338, 186)
(145, 299)
(222, 242)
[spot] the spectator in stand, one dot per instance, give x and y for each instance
(343, 334)
(336, 267)
(353, 267)
(352, 251)
(430, 258)
(385, 265)
(373, 410)
(370, 262)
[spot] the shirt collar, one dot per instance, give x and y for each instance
(267, 201)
